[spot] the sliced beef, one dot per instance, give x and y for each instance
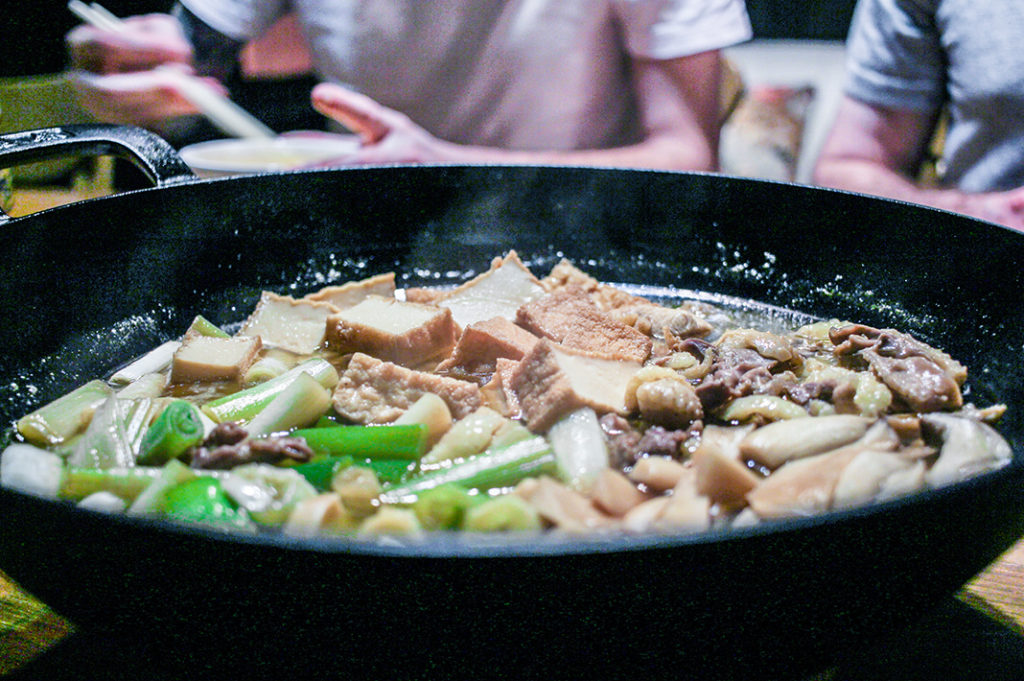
(923, 378)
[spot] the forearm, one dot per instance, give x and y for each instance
(868, 177)
(658, 153)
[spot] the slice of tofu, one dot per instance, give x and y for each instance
(483, 343)
(284, 322)
(371, 391)
(206, 358)
(354, 292)
(404, 333)
(498, 292)
(553, 380)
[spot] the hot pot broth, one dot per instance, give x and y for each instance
(511, 402)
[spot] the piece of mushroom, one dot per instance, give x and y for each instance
(776, 443)
(969, 447)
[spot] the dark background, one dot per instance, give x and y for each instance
(32, 31)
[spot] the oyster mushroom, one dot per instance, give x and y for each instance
(969, 447)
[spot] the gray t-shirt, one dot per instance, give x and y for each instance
(517, 74)
(965, 54)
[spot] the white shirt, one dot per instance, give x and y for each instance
(517, 74)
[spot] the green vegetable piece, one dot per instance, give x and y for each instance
(444, 507)
(371, 442)
(321, 470)
(298, 405)
(202, 500)
(57, 421)
(390, 471)
(204, 327)
(151, 500)
(105, 443)
(494, 468)
(243, 405)
(126, 483)
(508, 512)
(178, 427)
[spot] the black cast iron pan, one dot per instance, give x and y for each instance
(777, 601)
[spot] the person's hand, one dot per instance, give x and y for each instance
(1005, 208)
(386, 135)
(146, 42)
(115, 76)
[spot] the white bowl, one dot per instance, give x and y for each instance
(219, 158)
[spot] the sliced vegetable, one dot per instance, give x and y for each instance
(373, 442)
(431, 411)
(204, 327)
(66, 416)
(509, 512)
(177, 428)
(268, 493)
(153, 362)
(444, 507)
(300, 404)
(105, 443)
(146, 386)
(105, 502)
(202, 500)
(321, 470)
(151, 499)
(29, 469)
(580, 449)
(243, 405)
(494, 468)
(126, 483)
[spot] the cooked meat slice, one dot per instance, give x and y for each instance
(553, 380)
(734, 372)
(354, 292)
(404, 333)
(498, 292)
(374, 391)
(263, 450)
(483, 343)
(569, 317)
(925, 379)
(284, 322)
(672, 325)
(207, 358)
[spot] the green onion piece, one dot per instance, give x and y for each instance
(126, 483)
(371, 442)
(105, 443)
(300, 404)
(494, 468)
(153, 362)
(504, 513)
(203, 500)
(204, 327)
(177, 428)
(243, 405)
(444, 507)
(151, 500)
(390, 471)
(66, 416)
(321, 470)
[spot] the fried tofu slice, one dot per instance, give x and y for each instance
(354, 292)
(206, 358)
(404, 333)
(483, 343)
(553, 380)
(372, 391)
(569, 317)
(498, 292)
(284, 322)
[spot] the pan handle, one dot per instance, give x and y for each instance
(153, 155)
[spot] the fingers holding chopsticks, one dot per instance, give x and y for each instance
(142, 43)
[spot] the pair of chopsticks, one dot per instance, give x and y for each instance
(225, 114)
